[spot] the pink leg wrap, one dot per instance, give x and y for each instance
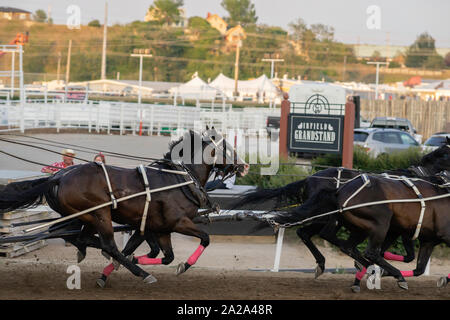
(193, 259)
(146, 260)
(407, 273)
(393, 257)
(360, 274)
(108, 269)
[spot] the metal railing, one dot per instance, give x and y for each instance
(125, 117)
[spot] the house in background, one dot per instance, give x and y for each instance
(217, 23)
(8, 13)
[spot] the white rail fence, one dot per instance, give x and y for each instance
(127, 117)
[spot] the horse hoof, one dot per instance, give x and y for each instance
(80, 256)
(150, 279)
(319, 271)
(181, 268)
(101, 283)
(106, 255)
(442, 282)
(356, 289)
(116, 264)
(403, 285)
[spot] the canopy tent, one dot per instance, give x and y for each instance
(195, 89)
(260, 87)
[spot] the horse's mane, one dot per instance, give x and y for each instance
(172, 144)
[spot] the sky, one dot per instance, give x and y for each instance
(397, 22)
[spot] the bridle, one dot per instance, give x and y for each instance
(225, 172)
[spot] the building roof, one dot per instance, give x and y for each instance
(15, 10)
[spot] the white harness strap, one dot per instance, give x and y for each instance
(422, 204)
(147, 200)
(338, 182)
(366, 180)
(108, 182)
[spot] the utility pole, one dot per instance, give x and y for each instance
(344, 70)
(69, 52)
(58, 69)
(377, 63)
(103, 73)
(272, 66)
(13, 62)
(236, 67)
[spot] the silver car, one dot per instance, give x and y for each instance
(435, 141)
(383, 141)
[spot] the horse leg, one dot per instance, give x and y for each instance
(425, 250)
(408, 245)
(133, 243)
(373, 254)
(305, 234)
(165, 243)
(187, 227)
(153, 244)
(442, 282)
(105, 230)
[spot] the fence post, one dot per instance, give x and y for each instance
(349, 123)
(276, 264)
(285, 109)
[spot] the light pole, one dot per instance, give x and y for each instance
(141, 53)
(272, 66)
(377, 77)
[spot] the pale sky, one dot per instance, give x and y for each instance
(400, 20)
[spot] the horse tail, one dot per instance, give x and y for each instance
(25, 194)
(290, 192)
(319, 203)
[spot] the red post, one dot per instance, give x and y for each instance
(285, 109)
(349, 125)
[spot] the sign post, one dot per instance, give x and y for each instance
(285, 109)
(349, 124)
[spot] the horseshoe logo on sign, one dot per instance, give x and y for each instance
(317, 103)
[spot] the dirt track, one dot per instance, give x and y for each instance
(222, 273)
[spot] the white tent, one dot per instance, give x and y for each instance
(195, 89)
(260, 87)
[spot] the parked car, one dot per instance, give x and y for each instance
(435, 141)
(396, 123)
(377, 141)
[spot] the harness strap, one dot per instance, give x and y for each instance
(338, 182)
(366, 181)
(148, 198)
(422, 205)
(108, 182)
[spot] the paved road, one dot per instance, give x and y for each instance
(133, 145)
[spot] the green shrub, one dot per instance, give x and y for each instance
(363, 161)
(285, 175)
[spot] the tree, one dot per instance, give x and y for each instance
(40, 16)
(94, 23)
(241, 12)
(166, 11)
(447, 60)
(323, 32)
(298, 28)
(420, 51)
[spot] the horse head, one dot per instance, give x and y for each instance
(226, 159)
(437, 160)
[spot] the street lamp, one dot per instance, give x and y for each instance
(141, 53)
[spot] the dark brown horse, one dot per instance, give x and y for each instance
(377, 222)
(84, 186)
